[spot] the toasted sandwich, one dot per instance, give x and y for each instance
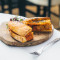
(39, 24)
(20, 32)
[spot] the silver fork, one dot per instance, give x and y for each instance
(39, 52)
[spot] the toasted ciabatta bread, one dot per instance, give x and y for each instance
(42, 24)
(20, 31)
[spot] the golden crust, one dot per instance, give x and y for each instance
(37, 18)
(42, 24)
(38, 23)
(29, 21)
(19, 28)
(17, 37)
(22, 39)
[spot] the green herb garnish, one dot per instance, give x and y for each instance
(21, 19)
(7, 25)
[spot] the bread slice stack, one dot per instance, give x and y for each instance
(20, 32)
(39, 24)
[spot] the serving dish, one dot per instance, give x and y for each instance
(38, 37)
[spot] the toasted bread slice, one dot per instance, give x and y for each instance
(19, 28)
(17, 37)
(36, 20)
(20, 32)
(42, 24)
(22, 39)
